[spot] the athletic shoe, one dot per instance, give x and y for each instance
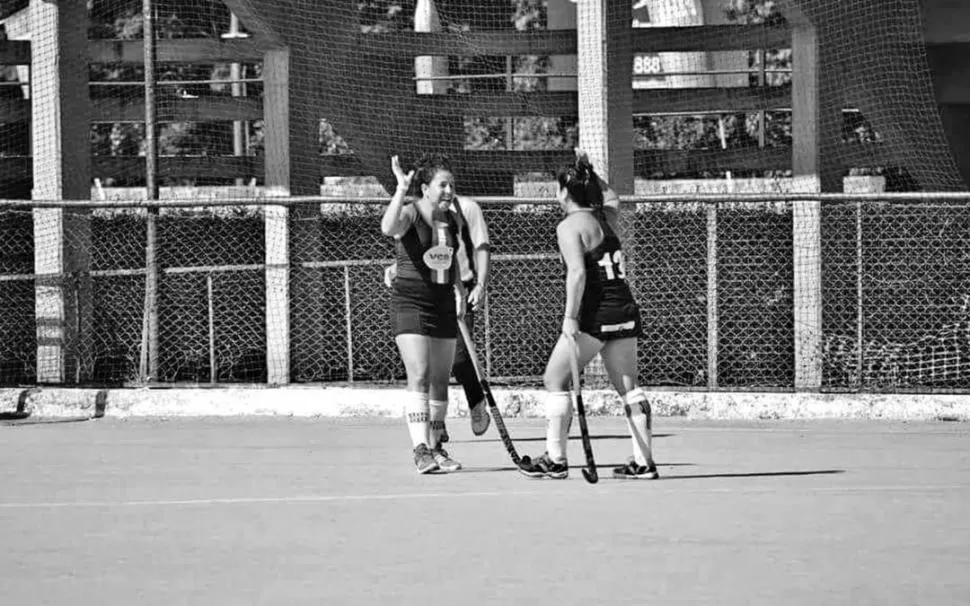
(633, 471)
(424, 460)
(544, 467)
(443, 461)
(480, 418)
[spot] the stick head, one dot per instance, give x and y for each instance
(591, 476)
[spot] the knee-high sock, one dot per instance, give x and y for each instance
(559, 412)
(439, 411)
(638, 417)
(417, 414)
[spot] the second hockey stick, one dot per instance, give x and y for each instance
(589, 472)
(483, 381)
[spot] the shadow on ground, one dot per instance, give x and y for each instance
(543, 438)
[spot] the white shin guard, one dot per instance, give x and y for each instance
(639, 422)
(417, 414)
(559, 413)
(439, 412)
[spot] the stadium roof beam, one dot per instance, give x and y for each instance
(180, 50)
(707, 38)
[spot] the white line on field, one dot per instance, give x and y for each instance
(649, 487)
(259, 500)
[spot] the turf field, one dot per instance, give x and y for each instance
(325, 511)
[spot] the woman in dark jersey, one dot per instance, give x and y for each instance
(601, 317)
(427, 300)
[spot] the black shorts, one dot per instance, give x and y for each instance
(612, 321)
(420, 308)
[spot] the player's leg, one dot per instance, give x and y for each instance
(559, 405)
(464, 371)
(416, 354)
(442, 352)
(620, 359)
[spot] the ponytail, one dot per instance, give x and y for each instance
(583, 185)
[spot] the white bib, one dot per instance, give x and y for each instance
(439, 258)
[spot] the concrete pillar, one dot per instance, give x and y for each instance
(816, 135)
(60, 123)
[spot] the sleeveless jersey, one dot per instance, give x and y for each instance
(413, 248)
(606, 285)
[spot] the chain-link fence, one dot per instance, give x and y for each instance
(714, 280)
(896, 286)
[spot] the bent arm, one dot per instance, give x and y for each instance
(482, 259)
(478, 231)
(611, 201)
(395, 221)
(611, 204)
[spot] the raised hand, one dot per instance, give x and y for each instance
(403, 179)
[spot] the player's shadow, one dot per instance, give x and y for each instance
(752, 474)
(44, 421)
(516, 440)
(514, 468)
(696, 476)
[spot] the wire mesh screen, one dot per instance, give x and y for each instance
(754, 295)
(495, 82)
(896, 295)
(714, 282)
(669, 277)
(715, 288)
(18, 341)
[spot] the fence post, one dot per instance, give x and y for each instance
(712, 318)
(348, 312)
(213, 362)
(860, 311)
(148, 367)
(60, 135)
(488, 337)
(816, 133)
(276, 225)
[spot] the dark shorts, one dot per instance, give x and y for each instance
(610, 322)
(419, 308)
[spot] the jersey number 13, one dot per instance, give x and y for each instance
(613, 265)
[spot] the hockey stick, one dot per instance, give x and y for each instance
(589, 472)
(21, 416)
(483, 381)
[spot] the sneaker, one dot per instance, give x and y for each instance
(480, 418)
(424, 460)
(444, 434)
(634, 471)
(443, 461)
(544, 467)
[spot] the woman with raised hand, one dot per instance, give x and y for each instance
(601, 317)
(427, 300)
